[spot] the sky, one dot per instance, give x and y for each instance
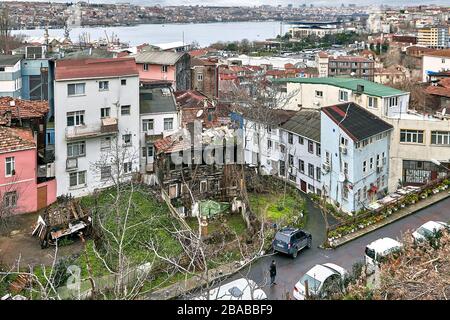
(264, 2)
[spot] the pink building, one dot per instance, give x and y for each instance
(165, 66)
(20, 191)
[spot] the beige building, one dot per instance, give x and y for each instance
(416, 138)
(434, 37)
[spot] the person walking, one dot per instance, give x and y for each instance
(273, 272)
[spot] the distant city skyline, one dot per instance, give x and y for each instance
(295, 3)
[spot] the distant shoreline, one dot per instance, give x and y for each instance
(149, 23)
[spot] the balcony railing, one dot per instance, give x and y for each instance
(107, 126)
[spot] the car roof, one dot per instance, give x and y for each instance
(430, 225)
(384, 244)
(245, 285)
(320, 272)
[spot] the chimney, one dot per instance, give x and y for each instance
(360, 88)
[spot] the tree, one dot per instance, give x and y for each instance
(8, 42)
(419, 272)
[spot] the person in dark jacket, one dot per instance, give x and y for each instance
(273, 272)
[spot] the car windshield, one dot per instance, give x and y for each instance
(313, 284)
(425, 232)
(282, 237)
(370, 253)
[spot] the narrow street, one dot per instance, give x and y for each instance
(289, 270)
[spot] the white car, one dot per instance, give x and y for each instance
(240, 289)
(428, 229)
(322, 278)
(378, 250)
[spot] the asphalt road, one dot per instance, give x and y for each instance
(290, 270)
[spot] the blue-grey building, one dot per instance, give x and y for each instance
(355, 156)
(10, 76)
(37, 75)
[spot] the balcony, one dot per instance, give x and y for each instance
(107, 126)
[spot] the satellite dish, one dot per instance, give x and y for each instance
(341, 177)
(199, 113)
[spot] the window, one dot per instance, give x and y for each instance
(364, 192)
(75, 118)
(440, 137)
(2, 69)
(123, 82)
(290, 138)
(318, 149)
(327, 157)
(319, 94)
(126, 138)
(371, 163)
(105, 173)
(310, 146)
(373, 102)
(145, 66)
(364, 166)
(76, 149)
(125, 110)
(300, 140)
(10, 166)
(344, 141)
(382, 180)
(384, 158)
(345, 168)
(76, 89)
(343, 95)
(147, 125)
(105, 143)
(318, 173)
(310, 188)
(203, 186)
(392, 102)
(282, 148)
(199, 76)
(164, 68)
(358, 195)
(378, 161)
(411, 136)
(147, 151)
(10, 199)
(344, 193)
(311, 170)
(103, 85)
(77, 179)
(301, 166)
(104, 112)
(168, 123)
(127, 167)
(269, 144)
(291, 160)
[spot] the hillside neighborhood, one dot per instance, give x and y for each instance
(175, 171)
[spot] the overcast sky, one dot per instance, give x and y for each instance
(262, 2)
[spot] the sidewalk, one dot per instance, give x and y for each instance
(394, 217)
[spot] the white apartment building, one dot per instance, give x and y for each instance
(96, 123)
(262, 141)
(10, 76)
(435, 62)
(300, 137)
(416, 138)
(159, 118)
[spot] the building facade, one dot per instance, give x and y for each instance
(10, 76)
(434, 62)
(96, 123)
(434, 37)
(355, 153)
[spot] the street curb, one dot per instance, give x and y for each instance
(385, 224)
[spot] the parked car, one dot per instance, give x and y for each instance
(429, 229)
(377, 251)
(323, 280)
(240, 289)
(291, 241)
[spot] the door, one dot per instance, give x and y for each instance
(302, 239)
(303, 185)
(41, 197)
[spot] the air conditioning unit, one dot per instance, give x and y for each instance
(71, 164)
(343, 149)
(326, 167)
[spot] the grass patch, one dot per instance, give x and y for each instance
(274, 206)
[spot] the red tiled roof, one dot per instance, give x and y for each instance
(190, 98)
(95, 68)
(439, 53)
(15, 139)
(24, 109)
(322, 54)
(442, 89)
(350, 59)
(198, 53)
